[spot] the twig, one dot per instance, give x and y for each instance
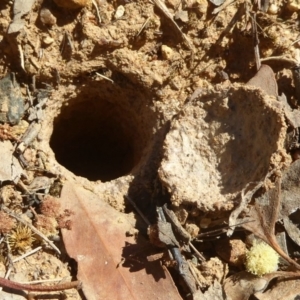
(10, 263)
(39, 288)
(23, 187)
(191, 266)
(27, 254)
(48, 280)
(143, 26)
(21, 57)
(34, 63)
(198, 254)
(12, 214)
(166, 12)
(280, 58)
(256, 42)
(104, 77)
(7, 273)
(138, 210)
(97, 10)
(297, 40)
(29, 95)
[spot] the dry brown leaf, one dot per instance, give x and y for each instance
(262, 219)
(97, 240)
(292, 230)
(242, 285)
(245, 199)
(287, 290)
(265, 79)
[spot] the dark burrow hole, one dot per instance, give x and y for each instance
(97, 139)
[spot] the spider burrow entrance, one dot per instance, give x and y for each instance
(100, 134)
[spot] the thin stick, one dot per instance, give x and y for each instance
(9, 264)
(256, 42)
(27, 254)
(297, 40)
(280, 58)
(7, 273)
(21, 57)
(39, 288)
(143, 26)
(97, 10)
(29, 95)
(47, 280)
(138, 210)
(191, 266)
(198, 254)
(104, 77)
(33, 62)
(12, 214)
(69, 41)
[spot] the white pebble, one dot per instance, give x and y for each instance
(119, 12)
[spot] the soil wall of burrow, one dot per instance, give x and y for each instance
(218, 144)
(99, 135)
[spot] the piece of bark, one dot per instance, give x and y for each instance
(265, 79)
(10, 168)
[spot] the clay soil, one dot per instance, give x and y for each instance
(118, 84)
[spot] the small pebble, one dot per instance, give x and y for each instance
(273, 9)
(47, 41)
(167, 52)
(47, 17)
(232, 251)
(293, 5)
(72, 4)
(182, 15)
(119, 12)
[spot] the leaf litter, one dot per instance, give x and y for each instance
(100, 255)
(217, 167)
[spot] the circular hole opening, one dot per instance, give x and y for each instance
(97, 139)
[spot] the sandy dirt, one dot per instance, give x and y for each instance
(132, 109)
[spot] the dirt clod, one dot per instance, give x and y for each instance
(144, 100)
(213, 146)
